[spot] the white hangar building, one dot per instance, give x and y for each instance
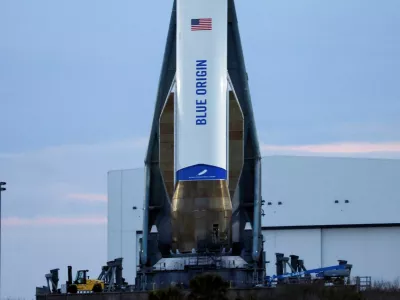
(320, 208)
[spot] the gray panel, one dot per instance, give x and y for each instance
(371, 251)
(114, 224)
(306, 243)
(307, 187)
(125, 213)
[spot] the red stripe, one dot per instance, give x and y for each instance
(204, 24)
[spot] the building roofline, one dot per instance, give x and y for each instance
(291, 156)
(332, 226)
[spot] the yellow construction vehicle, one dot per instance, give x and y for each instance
(109, 280)
(82, 283)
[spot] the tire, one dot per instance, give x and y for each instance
(72, 289)
(97, 288)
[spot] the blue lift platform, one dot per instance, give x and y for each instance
(298, 273)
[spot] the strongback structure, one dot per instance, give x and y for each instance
(160, 264)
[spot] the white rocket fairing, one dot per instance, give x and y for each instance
(201, 90)
(201, 206)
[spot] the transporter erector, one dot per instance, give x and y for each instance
(203, 206)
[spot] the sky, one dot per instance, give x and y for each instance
(78, 81)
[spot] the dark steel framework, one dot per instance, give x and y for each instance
(157, 201)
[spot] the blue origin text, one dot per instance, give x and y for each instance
(201, 92)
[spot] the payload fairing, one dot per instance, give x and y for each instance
(201, 90)
(201, 205)
(203, 180)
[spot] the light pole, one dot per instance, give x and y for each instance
(2, 189)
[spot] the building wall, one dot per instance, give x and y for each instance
(303, 242)
(371, 250)
(307, 187)
(125, 191)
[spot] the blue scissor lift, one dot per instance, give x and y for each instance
(299, 274)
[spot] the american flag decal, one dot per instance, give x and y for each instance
(201, 24)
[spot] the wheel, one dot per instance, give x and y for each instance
(72, 289)
(338, 281)
(97, 288)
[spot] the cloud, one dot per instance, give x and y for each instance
(88, 220)
(337, 149)
(88, 197)
(106, 146)
(66, 179)
(69, 179)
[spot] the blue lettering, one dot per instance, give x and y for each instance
(201, 90)
(201, 64)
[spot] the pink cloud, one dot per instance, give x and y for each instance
(89, 220)
(339, 148)
(88, 197)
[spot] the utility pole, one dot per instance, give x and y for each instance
(2, 189)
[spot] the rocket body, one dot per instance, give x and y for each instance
(201, 205)
(201, 83)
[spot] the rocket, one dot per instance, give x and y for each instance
(201, 208)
